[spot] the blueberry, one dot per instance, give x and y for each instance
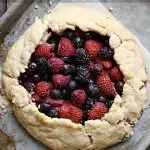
(78, 42)
(36, 78)
(65, 93)
(53, 113)
(44, 108)
(68, 33)
(66, 70)
(102, 99)
(56, 94)
(29, 86)
(67, 60)
(119, 87)
(72, 85)
(92, 91)
(106, 53)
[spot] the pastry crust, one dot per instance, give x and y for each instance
(62, 134)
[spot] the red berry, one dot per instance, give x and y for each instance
(71, 112)
(115, 74)
(93, 47)
(66, 48)
(43, 88)
(78, 97)
(60, 80)
(105, 85)
(55, 64)
(106, 64)
(55, 103)
(98, 111)
(44, 50)
(36, 98)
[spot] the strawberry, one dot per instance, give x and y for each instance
(60, 80)
(55, 64)
(106, 64)
(105, 85)
(116, 74)
(36, 98)
(78, 97)
(43, 88)
(71, 112)
(98, 111)
(66, 48)
(44, 50)
(93, 47)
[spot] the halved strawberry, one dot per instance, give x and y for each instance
(93, 47)
(71, 112)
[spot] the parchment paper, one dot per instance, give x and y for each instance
(23, 141)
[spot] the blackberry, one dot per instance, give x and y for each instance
(78, 42)
(73, 69)
(41, 64)
(83, 75)
(92, 91)
(65, 93)
(89, 104)
(97, 68)
(32, 67)
(106, 53)
(68, 33)
(23, 77)
(36, 78)
(81, 56)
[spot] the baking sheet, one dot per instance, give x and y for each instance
(141, 138)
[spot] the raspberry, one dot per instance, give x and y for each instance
(98, 111)
(44, 50)
(71, 112)
(105, 85)
(93, 47)
(116, 74)
(78, 97)
(36, 98)
(66, 48)
(60, 80)
(55, 64)
(43, 88)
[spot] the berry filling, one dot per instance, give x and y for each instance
(73, 76)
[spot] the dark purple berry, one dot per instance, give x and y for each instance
(53, 113)
(36, 78)
(23, 77)
(56, 94)
(89, 104)
(102, 99)
(41, 64)
(72, 85)
(67, 60)
(66, 70)
(81, 57)
(73, 69)
(29, 86)
(78, 42)
(106, 53)
(119, 87)
(20, 82)
(91, 81)
(92, 91)
(97, 68)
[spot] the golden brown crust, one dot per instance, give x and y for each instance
(62, 133)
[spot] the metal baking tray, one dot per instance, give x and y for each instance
(12, 24)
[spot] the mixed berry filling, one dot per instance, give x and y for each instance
(73, 76)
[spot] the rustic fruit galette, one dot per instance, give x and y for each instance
(76, 80)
